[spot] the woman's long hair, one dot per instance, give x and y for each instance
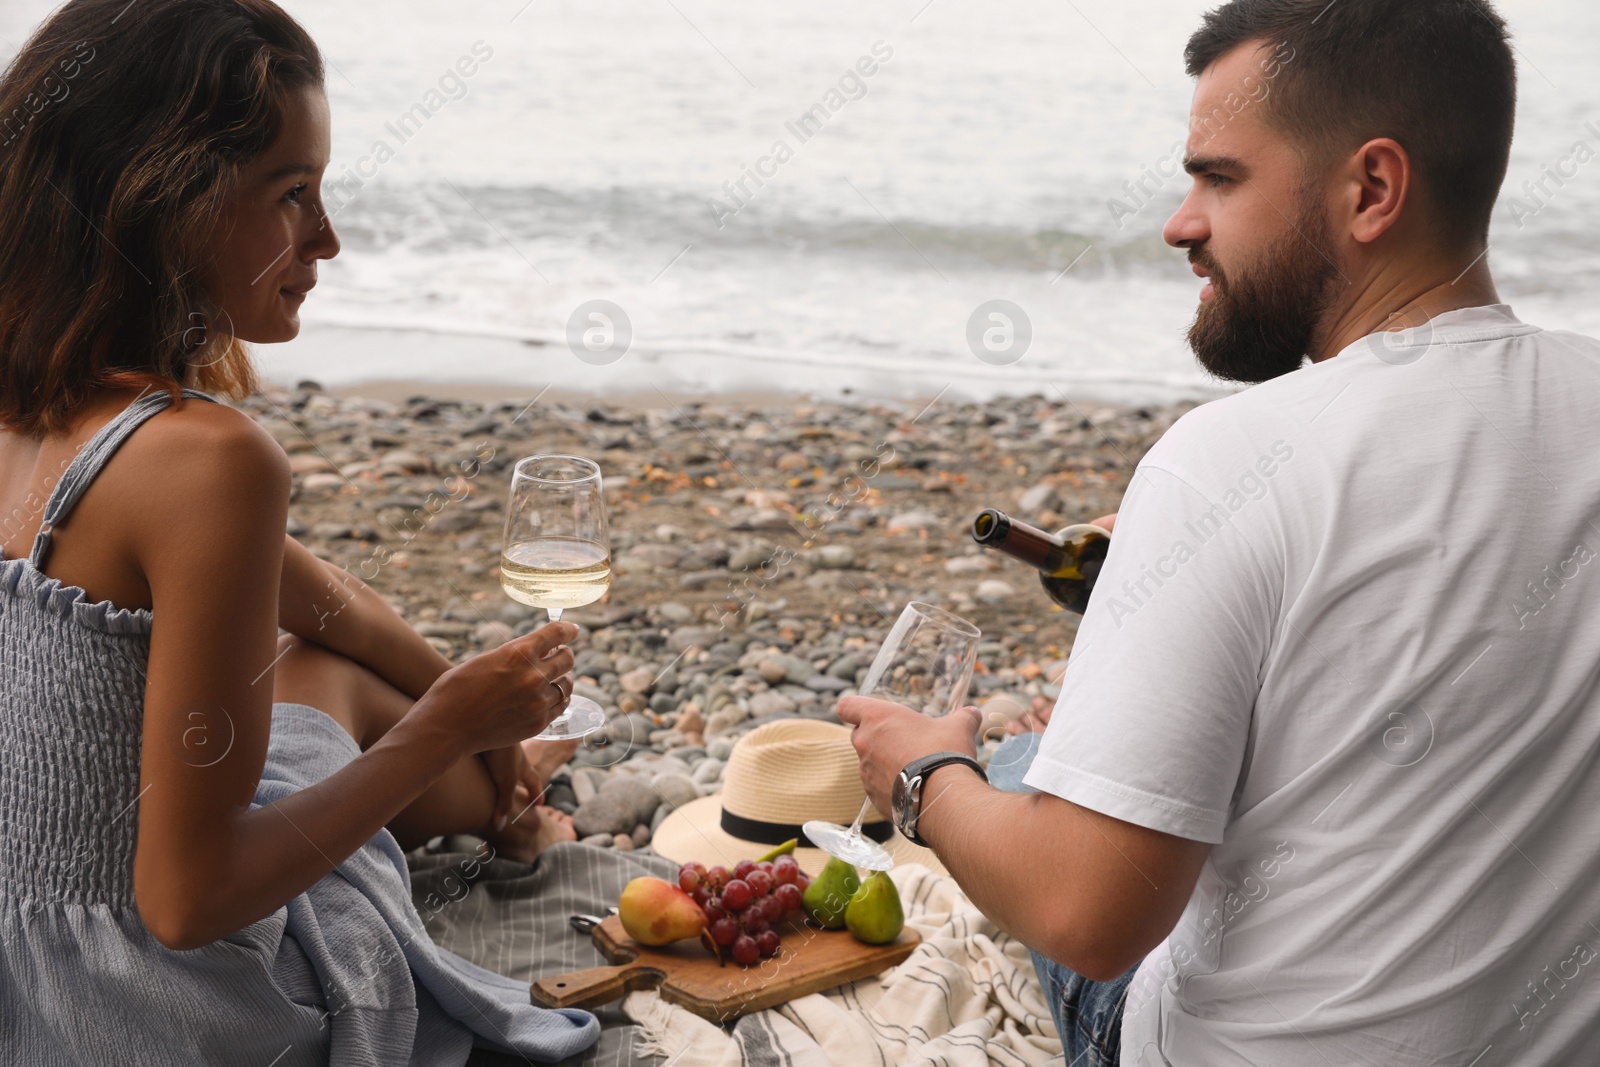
(123, 127)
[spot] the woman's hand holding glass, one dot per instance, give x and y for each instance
(504, 695)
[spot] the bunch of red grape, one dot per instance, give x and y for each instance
(742, 905)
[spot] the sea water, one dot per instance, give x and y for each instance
(756, 210)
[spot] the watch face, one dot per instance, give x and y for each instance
(898, 797)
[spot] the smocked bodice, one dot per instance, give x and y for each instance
(72, 681)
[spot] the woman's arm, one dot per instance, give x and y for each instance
(209, 540)
(322, 602)
(325, 603)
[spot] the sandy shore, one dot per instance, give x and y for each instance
(762, 546)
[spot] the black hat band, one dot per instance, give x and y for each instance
(776, 833)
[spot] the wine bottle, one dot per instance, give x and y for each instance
(1068, 561)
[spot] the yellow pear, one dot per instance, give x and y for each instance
(656, 912)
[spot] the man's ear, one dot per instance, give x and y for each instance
(1380, 172)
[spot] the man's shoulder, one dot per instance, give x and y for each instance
(1236, 431)
(1570, 341)
(1309, 408)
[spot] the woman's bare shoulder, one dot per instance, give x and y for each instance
(207, 464)
(200, 436)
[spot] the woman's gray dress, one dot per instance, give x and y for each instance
(342, 974)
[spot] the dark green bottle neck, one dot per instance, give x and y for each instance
(1028, 544)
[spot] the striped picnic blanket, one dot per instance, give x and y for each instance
(511, 918)
(967, 997)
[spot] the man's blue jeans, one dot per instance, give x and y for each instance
(1088, 1014)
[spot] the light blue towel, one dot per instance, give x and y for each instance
(1012, 760)
(356, 926)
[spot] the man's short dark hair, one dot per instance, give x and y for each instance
(1435, 75)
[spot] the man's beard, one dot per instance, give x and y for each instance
(1260, 321)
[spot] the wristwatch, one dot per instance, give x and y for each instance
(907, 796)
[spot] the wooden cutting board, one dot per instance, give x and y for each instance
(809, 960)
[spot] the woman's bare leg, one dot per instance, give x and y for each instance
(547, 757)
(1035, 719)
(460, 802)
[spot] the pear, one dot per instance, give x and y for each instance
(829, 893)
(785, 849)
(874, 914)
(656, 912)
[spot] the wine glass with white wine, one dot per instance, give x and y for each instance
(557, 555)
(925, 664)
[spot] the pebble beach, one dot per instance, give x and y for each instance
(761, 550)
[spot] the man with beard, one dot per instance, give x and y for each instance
(1318, 782)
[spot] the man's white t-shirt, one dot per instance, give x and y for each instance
(1349, 632)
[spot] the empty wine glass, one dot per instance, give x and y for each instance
(926, 664)
(557, 555)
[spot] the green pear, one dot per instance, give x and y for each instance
(785, 849)
(829, 893)
(874, 913)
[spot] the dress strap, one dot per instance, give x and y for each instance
(92, 457)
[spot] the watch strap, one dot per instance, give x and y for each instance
(928, 764)
(923, 768)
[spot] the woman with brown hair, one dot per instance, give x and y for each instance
(202, 822)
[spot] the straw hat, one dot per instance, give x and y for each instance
(779, 776)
